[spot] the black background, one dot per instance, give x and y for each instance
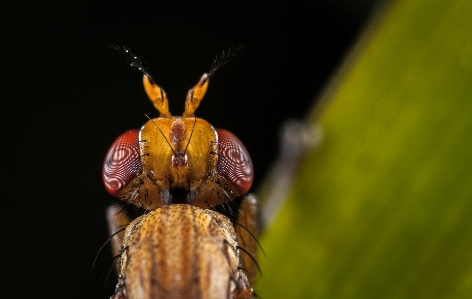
(65, 98)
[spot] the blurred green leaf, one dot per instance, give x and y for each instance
(383, 209)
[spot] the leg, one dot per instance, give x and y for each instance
(247, 231)
(116, 221)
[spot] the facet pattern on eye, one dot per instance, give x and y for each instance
(122, 162)
(234, 162)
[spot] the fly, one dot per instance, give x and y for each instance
(180, 171)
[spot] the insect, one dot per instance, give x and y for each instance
(182, 173)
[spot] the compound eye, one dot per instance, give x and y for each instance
(122, 162)
(234, 162)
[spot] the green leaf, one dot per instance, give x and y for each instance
(383, 208)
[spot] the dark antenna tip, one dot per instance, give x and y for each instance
(134, 60)
(222, 59)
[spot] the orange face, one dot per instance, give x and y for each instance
(177, 159)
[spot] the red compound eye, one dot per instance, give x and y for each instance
(234, 162)
(122, 162)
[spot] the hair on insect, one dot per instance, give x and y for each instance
(106, 242)
(222, 59)
(138, 64)
(109, 265)
(252, 258)
(134, 60)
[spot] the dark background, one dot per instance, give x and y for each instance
(65, 98)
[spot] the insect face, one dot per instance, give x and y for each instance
(177, 159)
